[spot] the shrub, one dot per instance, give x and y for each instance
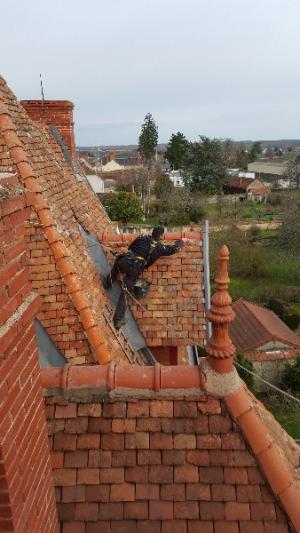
(274, 200)
(124, 207)
(197, 213)
(253, 231)
(288, 314)
(244, 375)
(246, 261)
(291, 377)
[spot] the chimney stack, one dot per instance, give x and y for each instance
(57, 112)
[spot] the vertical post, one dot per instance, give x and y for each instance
(206, 275)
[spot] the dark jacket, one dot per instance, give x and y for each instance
(147, 248)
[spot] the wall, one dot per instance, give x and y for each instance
(27, 503)
(57, 112)
(172, 315)
(155, 466)
(269, 370)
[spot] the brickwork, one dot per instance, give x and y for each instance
(57, 112)
(174, 308)
(27, 502)
(156, 465)
(68, 202)
(57, 313)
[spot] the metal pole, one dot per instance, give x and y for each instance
(206, 274)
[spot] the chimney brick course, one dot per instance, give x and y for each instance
(57, 112)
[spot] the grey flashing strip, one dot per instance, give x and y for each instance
(130, 330)
(149, 356)
(62, 145)
(49, 354)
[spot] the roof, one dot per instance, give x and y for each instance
(268, 167)
(254, 326)
(112, 166)
(241, 183)
(215, 379)
(75, 310)
(169, 398)
(254, 186)
(272, 355)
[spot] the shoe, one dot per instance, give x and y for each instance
(118, 323)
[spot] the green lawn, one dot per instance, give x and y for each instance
(287, 415)
(282, 277)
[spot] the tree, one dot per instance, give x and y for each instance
(174, 208)
(148, 139)
(205, 169)
(177, 150)
(163, 185)
(292, 171)
(289, 231)
(229, 151)
(124, 207)
(291, 377)
(255, 151)
(242, 157)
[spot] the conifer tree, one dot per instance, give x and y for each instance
(148, 139)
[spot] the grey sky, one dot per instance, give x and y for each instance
(224, 68)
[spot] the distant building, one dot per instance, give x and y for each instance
(263, 338)
(176, 178)
(240, 173)
(249, 188)
(272, 172)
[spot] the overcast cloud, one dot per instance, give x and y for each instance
(213, 67)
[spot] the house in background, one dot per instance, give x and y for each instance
(263, 338)
(176, 178)
(272, 173)
(248, 188)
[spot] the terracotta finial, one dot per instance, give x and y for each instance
(220, 348)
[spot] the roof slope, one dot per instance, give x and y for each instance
(59, 203)
(255, 326)
(235, 469)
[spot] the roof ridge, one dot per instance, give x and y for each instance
(274, 464)
(62, 256)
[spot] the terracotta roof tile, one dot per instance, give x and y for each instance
(255, 326)
(272, 449)
(274, 355)
(52, 190)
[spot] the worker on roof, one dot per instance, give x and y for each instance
(141, 254)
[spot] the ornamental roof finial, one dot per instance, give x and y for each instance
(220, 348)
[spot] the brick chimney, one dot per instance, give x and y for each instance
(57, 112)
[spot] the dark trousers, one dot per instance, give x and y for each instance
(131, 268)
